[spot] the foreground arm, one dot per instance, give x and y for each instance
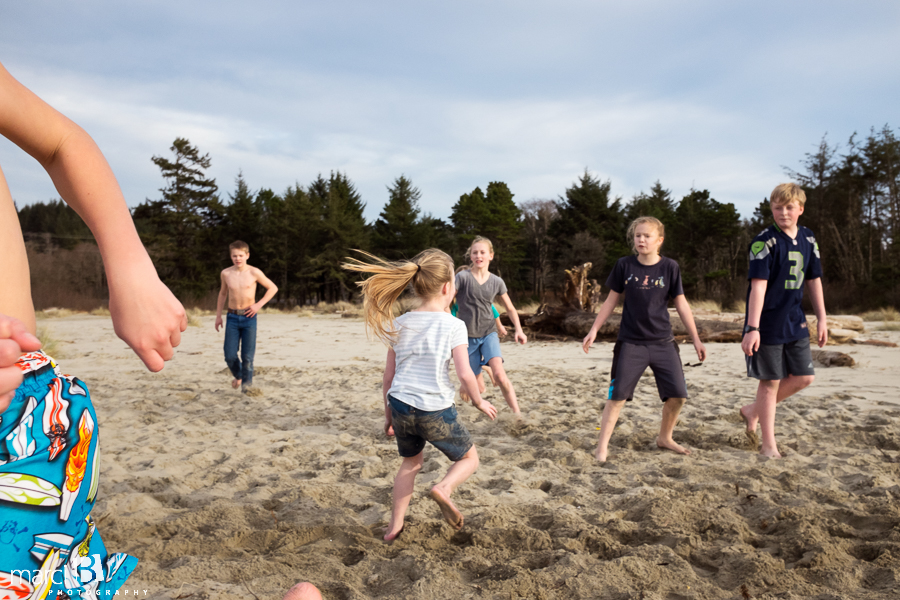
(271, 290)
(145, 313)
(467, 379)
(606, 309)
(514, 317)
(750, 341)
(14, 340)
(817, 299)
(687, 317)
(390, 367)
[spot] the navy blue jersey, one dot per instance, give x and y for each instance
(786, 264)
(647, 290)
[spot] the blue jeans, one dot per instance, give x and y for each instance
(240, 331)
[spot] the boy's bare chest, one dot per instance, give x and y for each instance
(238, 281)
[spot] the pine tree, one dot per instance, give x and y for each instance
(399, 233)
(178, 226)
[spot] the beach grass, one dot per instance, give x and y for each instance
(49, 344)
(100, 311)
(888, 313)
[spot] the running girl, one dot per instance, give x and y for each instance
(476, 289)
(418, 394)
(647, 281)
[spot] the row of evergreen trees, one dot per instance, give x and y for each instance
(300, 237)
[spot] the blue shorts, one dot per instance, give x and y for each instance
(48, 484)
(482, 350)
(413, 427)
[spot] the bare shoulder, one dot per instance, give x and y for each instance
(257, 273)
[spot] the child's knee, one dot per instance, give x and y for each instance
(675, 402)
(472, 454)
(805, 380)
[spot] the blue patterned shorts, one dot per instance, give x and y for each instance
(49, 474)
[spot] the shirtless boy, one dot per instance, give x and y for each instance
(239, 287)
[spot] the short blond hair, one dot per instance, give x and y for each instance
(426, 273)
(785, 193)
(239, 245)
(660, 228)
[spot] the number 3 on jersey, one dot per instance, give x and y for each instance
(796, 276)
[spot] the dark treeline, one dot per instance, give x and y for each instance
(300, 236)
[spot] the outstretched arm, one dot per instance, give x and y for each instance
(467, 379)
(606, 309)
(514, 317)
(687, 317)
(145, 313)
(817, 299)
(271, 290)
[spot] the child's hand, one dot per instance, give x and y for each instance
(520, 337)
(251, 312)
(388, 428)
(588, 341)
(501, 331)
(488, 409)
(750, 342)
(822, 333)
(218, 322)
(701, 350)
(147, 317)
(14, 340)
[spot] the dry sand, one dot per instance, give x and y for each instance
(228, 496)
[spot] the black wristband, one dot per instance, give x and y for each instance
(749, 328)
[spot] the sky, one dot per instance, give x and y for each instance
(699, 94)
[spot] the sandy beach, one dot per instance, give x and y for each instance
(227, 496)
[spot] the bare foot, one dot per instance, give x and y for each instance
(450, 512)
(671, 445)
(749, 423)
(390, 535)
(601, 455)
(770, 452)
(236, 383)
(750, 430)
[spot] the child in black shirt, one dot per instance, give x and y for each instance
(647, 281)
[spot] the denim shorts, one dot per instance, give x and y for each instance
(777, 361)
(482, 350)
(413, 427)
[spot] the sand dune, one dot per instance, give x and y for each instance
(228, 496)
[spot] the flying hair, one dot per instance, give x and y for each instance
(660, 228)
(425, 274)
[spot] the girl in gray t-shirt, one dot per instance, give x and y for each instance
(475, 293)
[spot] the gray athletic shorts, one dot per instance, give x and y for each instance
(777, 361)
(631, 360)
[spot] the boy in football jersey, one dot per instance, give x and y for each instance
(776, 337)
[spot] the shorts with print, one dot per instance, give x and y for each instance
(631, 360)
(777, 361)
(49, 473)
(482, 350)
(413, 427)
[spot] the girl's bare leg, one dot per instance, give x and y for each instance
(671, 410)
(440, 493)
(505, 385)
(607, 424)
(404, 483)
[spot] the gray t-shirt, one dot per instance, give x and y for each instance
(475, 299)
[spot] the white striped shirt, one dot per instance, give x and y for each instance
(424, 349)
